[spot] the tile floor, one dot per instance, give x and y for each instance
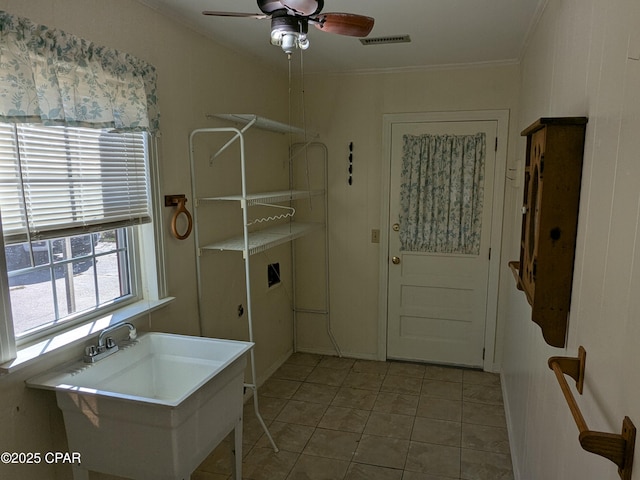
(344, 419)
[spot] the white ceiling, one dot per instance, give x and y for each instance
(443, 32)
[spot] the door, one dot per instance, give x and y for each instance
(437, 289)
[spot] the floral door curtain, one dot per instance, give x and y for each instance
(441, 193)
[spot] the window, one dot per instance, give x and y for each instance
(77, 186)
(70, 277)
(73, 201)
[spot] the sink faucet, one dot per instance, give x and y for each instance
(106, 345)
(133, 333)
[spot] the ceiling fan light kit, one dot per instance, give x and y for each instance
(289, 32)
(290, 21)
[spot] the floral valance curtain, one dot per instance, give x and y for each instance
(441, 193)
(49, 76)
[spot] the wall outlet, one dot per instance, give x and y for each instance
(375, 236)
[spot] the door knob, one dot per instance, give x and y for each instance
(396, 227)
(395, 260)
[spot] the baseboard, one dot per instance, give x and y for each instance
(510, 432)
(330, 352)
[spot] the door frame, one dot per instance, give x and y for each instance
(502, 119)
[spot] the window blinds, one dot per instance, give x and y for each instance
(59, 181)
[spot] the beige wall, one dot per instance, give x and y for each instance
(577, 64)
(195, 76)
(349, 108)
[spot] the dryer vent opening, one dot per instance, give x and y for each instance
(273, 274)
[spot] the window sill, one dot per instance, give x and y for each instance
(30, 354)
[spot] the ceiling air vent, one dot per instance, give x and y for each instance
(383, 40)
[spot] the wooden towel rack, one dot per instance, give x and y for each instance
(616, 447)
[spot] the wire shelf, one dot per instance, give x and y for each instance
(262, 123)
(263, 240)
(267, 197)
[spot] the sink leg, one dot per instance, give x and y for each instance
(237, 442)
(79, 473)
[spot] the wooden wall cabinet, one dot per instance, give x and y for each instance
(553, 171)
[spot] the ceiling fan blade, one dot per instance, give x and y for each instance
(257, 16)
(344, 24)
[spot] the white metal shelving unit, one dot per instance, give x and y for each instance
(256, 241)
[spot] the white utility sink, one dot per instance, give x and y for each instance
(155, 409)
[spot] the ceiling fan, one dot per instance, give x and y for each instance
(290, 21)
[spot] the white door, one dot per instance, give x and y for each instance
(437, 302)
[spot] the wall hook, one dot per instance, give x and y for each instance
(179, 201)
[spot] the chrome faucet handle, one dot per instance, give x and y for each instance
(91, 354)
(106, 345)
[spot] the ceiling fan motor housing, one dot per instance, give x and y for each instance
(289, 24)
(297, 7)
